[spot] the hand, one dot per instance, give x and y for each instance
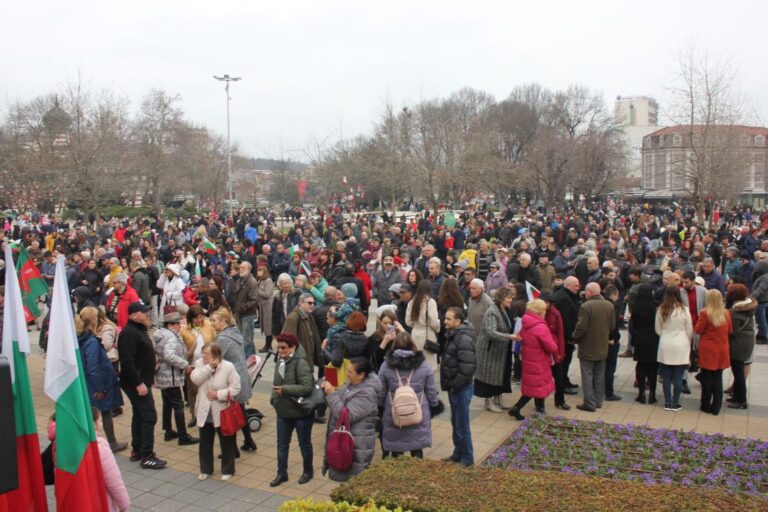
(278, 390)
(188, 370)
(324, 345)
(212, 395)
(327, 387)
(99, 395)
(214, 364)
(399, 327)
(142, 389)
(515, 337)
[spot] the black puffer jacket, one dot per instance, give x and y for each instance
(347, 345)
(457, 368)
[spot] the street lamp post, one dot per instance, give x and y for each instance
(227, 79)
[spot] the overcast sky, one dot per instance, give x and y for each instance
(313, 70)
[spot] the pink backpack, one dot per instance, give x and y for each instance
(340, 450)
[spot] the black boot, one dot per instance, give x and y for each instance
(640, 397)
(515, 413)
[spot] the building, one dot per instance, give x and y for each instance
(637, 116)
(737, 154)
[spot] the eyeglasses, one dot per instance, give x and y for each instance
(310, 303)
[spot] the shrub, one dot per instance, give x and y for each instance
(309, 505)
(430, 486)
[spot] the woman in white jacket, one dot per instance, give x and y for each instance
(217, 381)
(172, 285)
(675, 329)
(423, 319)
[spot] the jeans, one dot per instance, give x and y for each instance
(228, 450)
(610, 367)
(559, 376)
(285, 427)
(463, 450)
(739, 382)
(245, 325)
(672, 377)
(142, 422)
(711, 390)
(762, 323)
(173, 403)
(592, 382)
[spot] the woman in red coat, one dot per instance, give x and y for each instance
(539, 348)
(714, 327)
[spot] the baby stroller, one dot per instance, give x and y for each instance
(255, 365)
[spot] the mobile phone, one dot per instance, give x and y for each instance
(391, 329)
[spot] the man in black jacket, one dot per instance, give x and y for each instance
(567, 302)
(321, 311)
(457, 369)
(137, 373)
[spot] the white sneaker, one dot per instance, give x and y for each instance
(491, 406)
(203, 476)
(224, 478)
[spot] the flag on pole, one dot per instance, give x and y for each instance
(198, 272)
(30, 495)
(31, 283)
(533, 292)
(304, 267)
(79, 478)
(210, 247)
(293, 249)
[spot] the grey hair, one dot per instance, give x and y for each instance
(304, 297)
(284, 277)
(478, 282)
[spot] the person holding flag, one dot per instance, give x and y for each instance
(79, 476)
(31, 282)
(30, 495)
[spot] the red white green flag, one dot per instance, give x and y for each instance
(533, 292)
(79, 478)
(210, 247)
(31, 282)
(293, 249)
(30, 495)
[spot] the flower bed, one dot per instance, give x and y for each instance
(636, 452)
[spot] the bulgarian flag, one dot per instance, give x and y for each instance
(533, 292)
(31, 282)
(210, 247)
(293, 249)
(30, 495)
(79, 477)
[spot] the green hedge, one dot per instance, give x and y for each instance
(309, 505)
(430, 486)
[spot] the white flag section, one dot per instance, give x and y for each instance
(14, 324)
(61, 362)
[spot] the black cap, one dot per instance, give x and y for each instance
(406, 288)
(135, 307)
(547, 296)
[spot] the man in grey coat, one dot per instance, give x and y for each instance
(384, 279)
(245, 305)
(597, 319)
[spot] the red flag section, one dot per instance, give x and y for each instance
(30, 496)
(82, 491)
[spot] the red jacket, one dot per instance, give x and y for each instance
(538, 349)
(555, 323)
(714, 353)
(123, 302)
(363, 276)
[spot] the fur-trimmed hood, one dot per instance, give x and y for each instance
(405, 359)
(749, 305)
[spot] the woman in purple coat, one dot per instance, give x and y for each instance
(539, 347)
(404, 359)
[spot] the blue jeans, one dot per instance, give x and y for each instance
(285, 427)
(672, 377)
(762, 323)
(462, 437)
(245, 326)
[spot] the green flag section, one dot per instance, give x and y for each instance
(30, 495)
(31, 282)
(79, 478)
(293, 249)
(450, 219)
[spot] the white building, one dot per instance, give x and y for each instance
(638, 116)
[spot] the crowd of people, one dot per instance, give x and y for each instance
(471, 304)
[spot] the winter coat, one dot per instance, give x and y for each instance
(120, 317)
(137, 356)
(568, 305)
(555, 323)
(382, 284)
(99, 374)
(713, 342)
(645, 341)
(713, 281)
(171, 359)
(674, 337)
(760, 282)
(539, 348)
(297, 382)
(362, 402)
(348, 344)
(303, 326)
(117, 494)
(742, 339)
(171, 291)
(492, 346)
(266, 294)
(224, 380)
(597, 320)
(458, 364)
(425, 327)
(140, 283)
(519, 274)
(190, 334)
(476, 309)
(232, 349)
(414, 437)
(494, 281)
(278, 313)
(107, 335)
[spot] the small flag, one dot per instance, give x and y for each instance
(210, 247)
(293, 249)
(79, 477)
(30, 495)
(533, 292)
(450, 219)
(305, 268)
(31, 283)
(198, 273)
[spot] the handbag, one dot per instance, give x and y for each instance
(232, 418)
(170, 308)
(311, 401)
(340, 447)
